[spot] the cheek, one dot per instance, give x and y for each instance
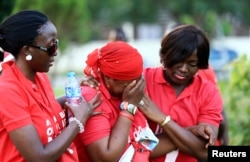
(193, 71)
(116, 90)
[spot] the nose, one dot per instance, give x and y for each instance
(183, 68)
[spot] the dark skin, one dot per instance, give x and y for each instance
(198, 137)
(26, 139)
(110, 148)
(201, 133)
(180, 76)
(223, 130)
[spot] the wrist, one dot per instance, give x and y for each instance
(128, 107)
(165, 121)
(127, 115)
(79, 124)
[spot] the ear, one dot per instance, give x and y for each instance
(25, 49)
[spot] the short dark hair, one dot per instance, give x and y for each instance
(180, 43)
(120, 35)
(21, 29)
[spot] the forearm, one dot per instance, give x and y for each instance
(61, 142)
(119, 135)
(110, 148)
(164, 146)
(61, 100)
(185, 141)
(29, 144)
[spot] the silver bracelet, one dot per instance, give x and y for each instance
(79, 124)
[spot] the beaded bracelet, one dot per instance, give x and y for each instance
(129, 107)
(79, 124)
(129, 116)
(167, 119)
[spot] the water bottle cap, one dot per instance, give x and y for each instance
(71, 74)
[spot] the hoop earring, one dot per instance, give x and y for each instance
(28, 57)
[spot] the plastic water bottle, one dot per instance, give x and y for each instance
(72, 89)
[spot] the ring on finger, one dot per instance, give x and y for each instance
(141, 102)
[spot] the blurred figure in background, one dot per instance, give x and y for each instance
(117, 34)
(4, 58)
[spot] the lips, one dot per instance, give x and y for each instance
(51, 62)
(180, 77)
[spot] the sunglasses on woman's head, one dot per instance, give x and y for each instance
(51, 50)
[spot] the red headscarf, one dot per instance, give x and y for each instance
(117, 60)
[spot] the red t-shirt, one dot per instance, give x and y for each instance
(208, 74)
(199, 102)
(100, 126)
(24, 103)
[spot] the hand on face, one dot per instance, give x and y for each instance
(85, 109)
(89, 81)
(151, 110)
(134, 91)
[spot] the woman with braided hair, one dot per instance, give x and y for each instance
(32, 122)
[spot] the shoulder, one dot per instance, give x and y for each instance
(206, 89)
(151, 71)
(88, 92)
(208, 74)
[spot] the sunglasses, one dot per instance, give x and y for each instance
(51, 50)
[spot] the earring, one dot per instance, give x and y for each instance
(28, 57)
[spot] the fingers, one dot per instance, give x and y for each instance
(131, 85)
(96, 101)
(209, 133)
(96, 113)
(89, 81)
(136, 85)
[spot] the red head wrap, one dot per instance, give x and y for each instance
(118, 60)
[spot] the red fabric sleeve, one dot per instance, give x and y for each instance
(97, 126)
(212, 105)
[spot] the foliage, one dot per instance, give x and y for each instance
(236, 96)
(5, 8)
(82, 20)
(70, 17)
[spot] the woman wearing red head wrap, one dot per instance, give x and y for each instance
(120, 131)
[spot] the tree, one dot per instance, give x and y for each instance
(5, 8)
(70, 17)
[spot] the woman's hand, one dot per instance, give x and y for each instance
(134, 92)
(205, 132)
(151, 110)
(89, 81)
(85, 109)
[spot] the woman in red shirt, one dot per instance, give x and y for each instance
(32, 122)
(120, 133)
(181, 98)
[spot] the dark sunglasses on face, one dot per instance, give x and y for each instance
(51, 50)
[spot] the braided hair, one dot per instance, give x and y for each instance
(20, 29)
